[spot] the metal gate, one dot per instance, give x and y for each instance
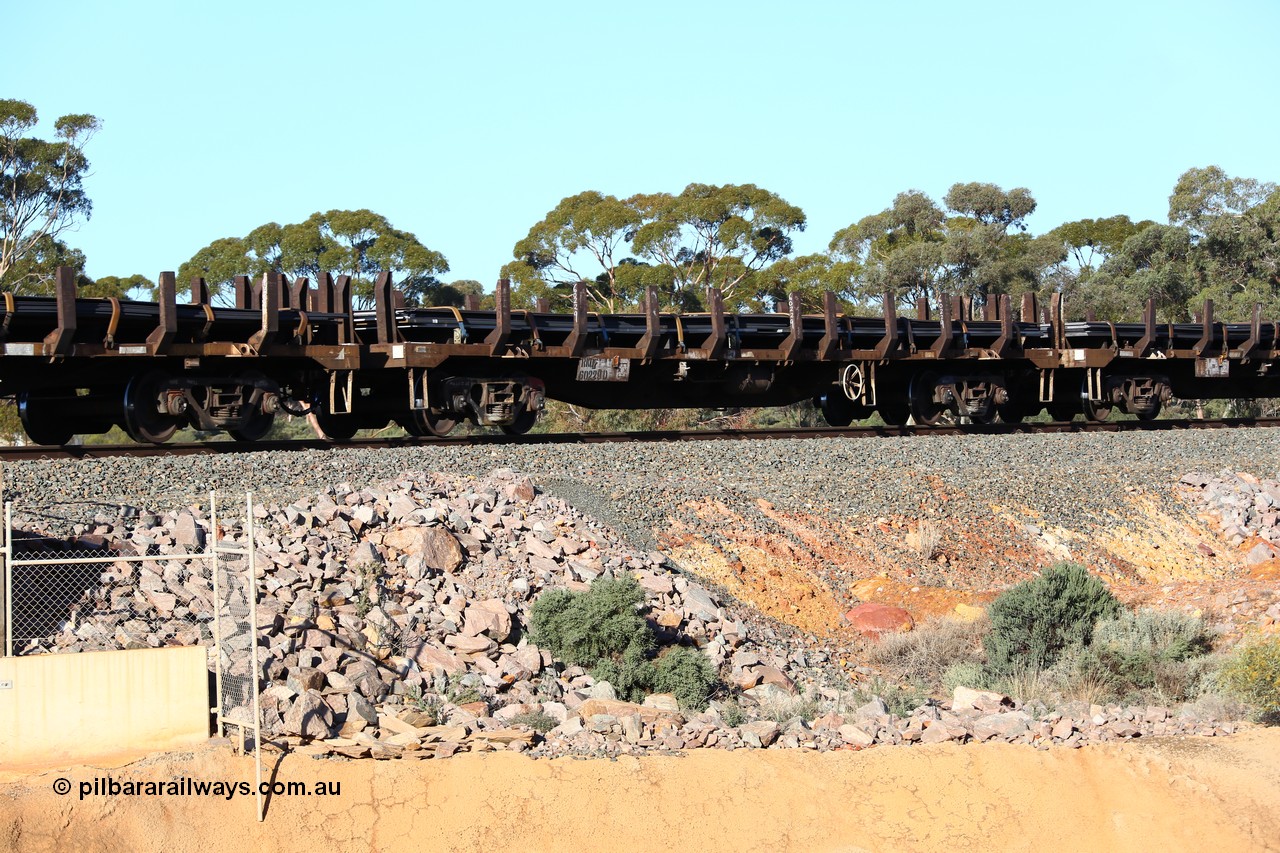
(237, 662)
(68, 591)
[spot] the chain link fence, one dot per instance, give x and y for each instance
(85, 576)
(113, 579)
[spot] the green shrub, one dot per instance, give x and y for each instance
(600, 629)
(1147, 651)
(632, 675)
(1033, 623)
(540, 721)
(965, 673)
(1163, 635)
(1252, 673)
(584, 629)
(428, 704)
(687, 674)
(732, 713)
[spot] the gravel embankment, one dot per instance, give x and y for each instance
(1061, 477)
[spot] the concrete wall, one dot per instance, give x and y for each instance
(70, 708)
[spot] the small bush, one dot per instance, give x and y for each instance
(784, 710)
(586, 628)
(732, 714)
(540, 721)
(1166, 635)
(1146, 652)
(925, 655)
(459, 689)
(687, 674)
(965, 674)
(632, 675)
(426, 703)
(1026, 684)
(1033, 623)
(901, 700)
(1252, 673)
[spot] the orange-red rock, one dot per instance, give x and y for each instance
(872, 620)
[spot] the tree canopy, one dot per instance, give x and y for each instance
(358, 243)
(41, 193)
(707, 236)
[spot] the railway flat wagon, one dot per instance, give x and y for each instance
(81, 366)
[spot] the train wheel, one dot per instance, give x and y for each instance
(1097, 411)
(522, 424)
(255, 429)
(1094, 410)
(142, 418)
(837, 409)
(1151, 414)
(422, 422)
(894, 411)
(920, 394)
(1063, 411)
(331, 427)
(43, 419)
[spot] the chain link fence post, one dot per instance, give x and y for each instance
(238, 668)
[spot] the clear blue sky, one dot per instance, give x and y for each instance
(465, 123)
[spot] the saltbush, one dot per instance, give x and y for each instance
(1033, 623)
(1149, 651)
(540, 721)
(601, 630)
(632, 675)
(687, 674)
(584, 629)
(1252, 673)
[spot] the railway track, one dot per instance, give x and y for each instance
(102, 451)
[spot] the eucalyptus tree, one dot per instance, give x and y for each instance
(983, 258)
(900, 249)
(357, 243)
(1234, 225)
(586, 237)
(41, 191)
(714, 236)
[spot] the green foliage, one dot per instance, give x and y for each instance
(1253, 674)
(585, 629)
(732, 714)
(428, 704)
(1156, 635)
(707, 236)
(458, 690)
(357, 243)
(632, 674)
(539, 721)
(602, 630)
(1033, 623)
(785, 709)
(965, 673)
(41, 194)
(901, 699)
(687, 674)
(584, 238)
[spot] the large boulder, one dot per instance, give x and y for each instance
(438, 547)
(872, 620)
(309, 716)
(488, 617)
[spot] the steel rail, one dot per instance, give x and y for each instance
(102, 451)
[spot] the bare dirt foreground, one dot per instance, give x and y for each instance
(1172, 794)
